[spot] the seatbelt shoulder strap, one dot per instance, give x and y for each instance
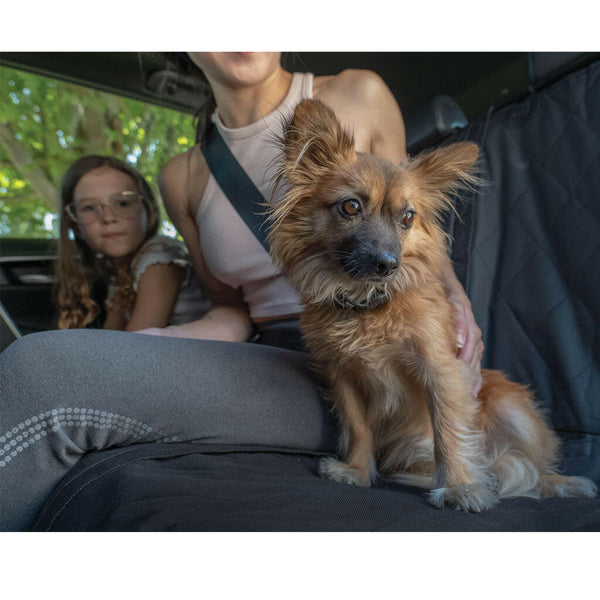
(240, 190)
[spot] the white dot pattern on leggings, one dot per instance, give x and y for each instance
(37, 427)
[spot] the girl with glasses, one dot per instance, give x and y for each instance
(109, 248)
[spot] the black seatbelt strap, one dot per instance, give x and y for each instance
(240, 190)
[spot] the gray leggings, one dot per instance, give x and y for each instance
(64, 393)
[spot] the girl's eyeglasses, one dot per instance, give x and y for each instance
(88, 210)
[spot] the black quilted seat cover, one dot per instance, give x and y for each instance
(528, 253)
(187, 487)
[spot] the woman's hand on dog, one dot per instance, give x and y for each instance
(468, 336)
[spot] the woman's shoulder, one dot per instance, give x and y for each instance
(365, 105)
(356, 85)
(183, 178)
(191, 159)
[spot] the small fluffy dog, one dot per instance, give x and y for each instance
(360, 239)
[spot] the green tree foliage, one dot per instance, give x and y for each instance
(46, 124)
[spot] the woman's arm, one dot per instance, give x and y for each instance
(468, 335)
(228, 318)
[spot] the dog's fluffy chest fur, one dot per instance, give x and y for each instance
(381, 345)
(388, 332)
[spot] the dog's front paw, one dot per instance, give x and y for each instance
(332, 468)
(470, 498)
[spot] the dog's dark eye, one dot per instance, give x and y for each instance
(350, 207)
(407, 219)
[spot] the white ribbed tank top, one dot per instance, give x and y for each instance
(232, 253)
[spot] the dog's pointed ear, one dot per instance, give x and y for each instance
(314, 141)
(443, 172)
(444, 169)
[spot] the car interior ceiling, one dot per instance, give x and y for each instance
(475, 81)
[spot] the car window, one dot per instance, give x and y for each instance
(46, 124)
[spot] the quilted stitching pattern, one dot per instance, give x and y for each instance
(531, 259)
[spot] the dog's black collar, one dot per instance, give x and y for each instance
(344, 303)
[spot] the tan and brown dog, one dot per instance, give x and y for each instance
(359, 237)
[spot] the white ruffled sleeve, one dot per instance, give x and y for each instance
(160, 250)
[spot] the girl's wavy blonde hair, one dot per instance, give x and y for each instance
(80, 271)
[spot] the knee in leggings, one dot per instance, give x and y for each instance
(29, 355)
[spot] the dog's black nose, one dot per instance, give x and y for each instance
(385, 264)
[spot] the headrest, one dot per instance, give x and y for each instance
(433, 122)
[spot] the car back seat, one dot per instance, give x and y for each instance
(527, 249)
(431, 124)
